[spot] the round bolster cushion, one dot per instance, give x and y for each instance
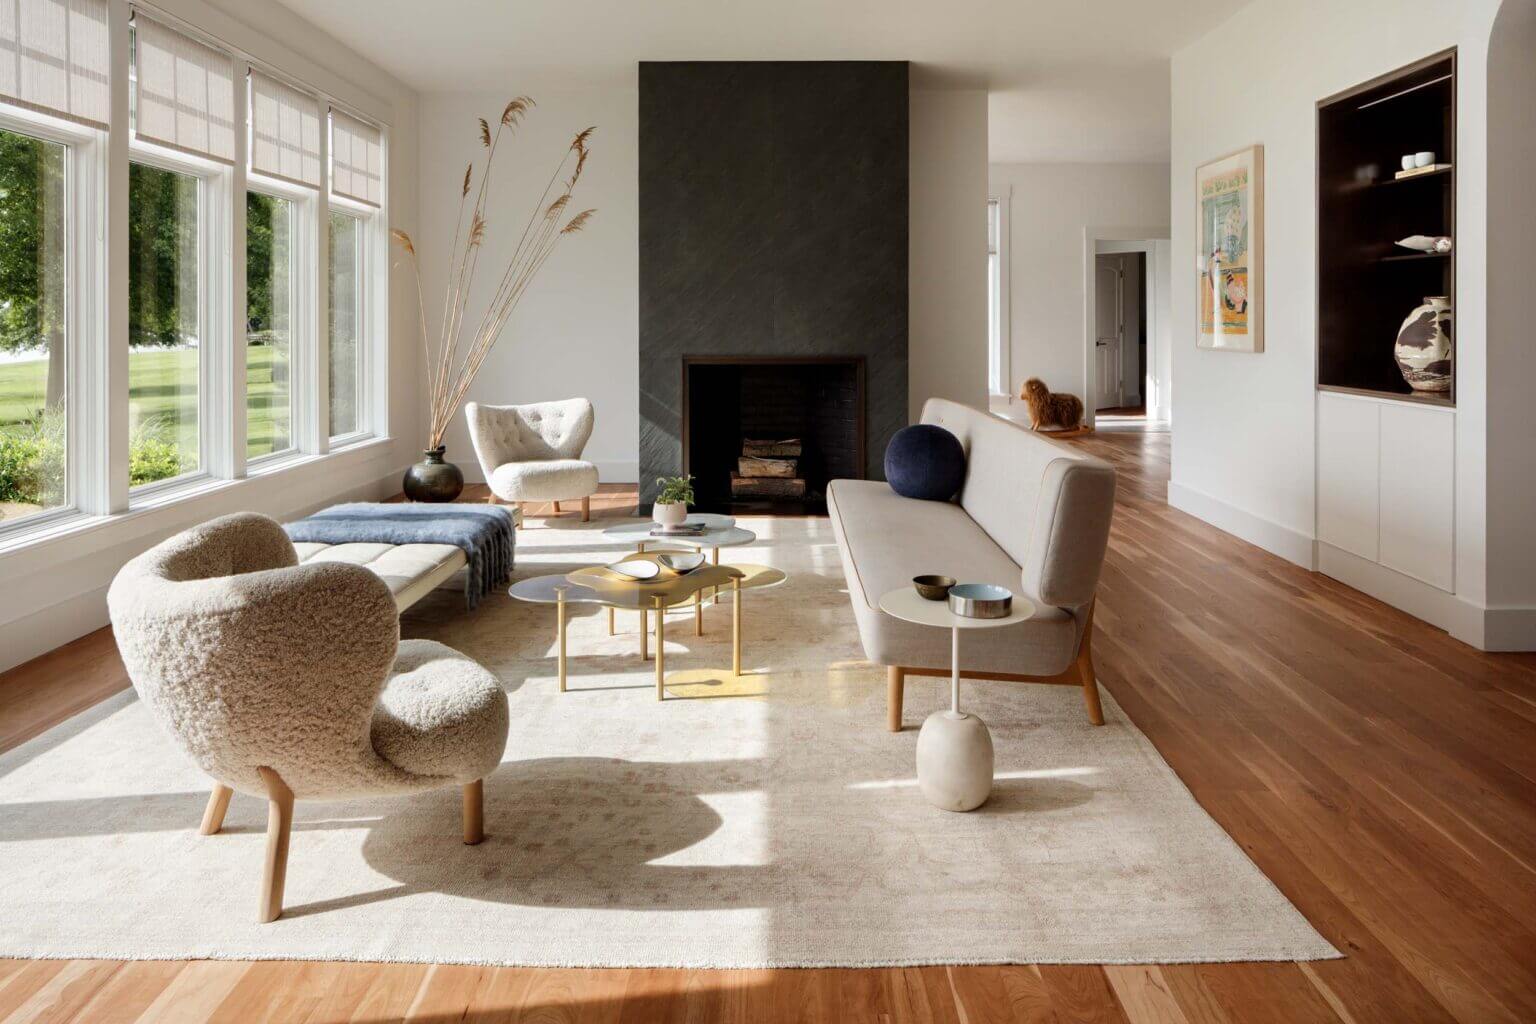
(925, 461)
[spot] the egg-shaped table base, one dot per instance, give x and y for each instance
(954, 761)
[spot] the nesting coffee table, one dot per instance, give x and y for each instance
(596, 585)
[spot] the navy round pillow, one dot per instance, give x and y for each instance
(925, 461)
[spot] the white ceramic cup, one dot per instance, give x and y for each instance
(1423, 158)
(1407, 161)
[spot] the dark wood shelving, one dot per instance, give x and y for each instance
(1362, 134)
(1410, 257)
(1439, 174)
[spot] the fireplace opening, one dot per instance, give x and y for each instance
(764, 435)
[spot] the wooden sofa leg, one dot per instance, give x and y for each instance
(474, 812)
(1084, 668)
(279, 828)
(586, 510)
(895, 691)
(557, 508)
(213, 814)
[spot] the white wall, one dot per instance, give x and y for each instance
(1244, 436)
(576, 331)
(55, 587)
(947, 332)
(1051, 207)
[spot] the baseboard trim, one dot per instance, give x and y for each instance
(1289, 544)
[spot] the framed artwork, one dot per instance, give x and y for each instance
(1230, 196)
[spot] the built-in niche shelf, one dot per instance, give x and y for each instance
(1366, 284)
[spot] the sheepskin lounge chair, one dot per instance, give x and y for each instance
(533, 452)
(289, 682)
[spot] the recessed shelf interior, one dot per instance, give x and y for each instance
(1367, 284)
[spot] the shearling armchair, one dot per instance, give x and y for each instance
(289, 681)
(533, 452)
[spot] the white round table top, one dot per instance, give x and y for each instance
(719, 532)
(906, 604)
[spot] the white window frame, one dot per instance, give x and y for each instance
(212, 313)
(366, 217)
(999, 284)
(304, 271)
(85, 335)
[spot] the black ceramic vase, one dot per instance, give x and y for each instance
(433, 478)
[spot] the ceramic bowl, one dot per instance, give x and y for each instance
(681, 561)
(932, 588)
(639, 570)
(980, 601)
(1423, 158)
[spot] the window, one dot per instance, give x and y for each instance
(34, 359)
(269, 302)
(998, 341)
(164, 325)
(345, 322)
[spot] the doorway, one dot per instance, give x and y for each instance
(1127, 364)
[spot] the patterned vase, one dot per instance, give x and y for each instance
(1423, 346)
(433, 478)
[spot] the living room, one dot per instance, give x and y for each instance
(632, 514)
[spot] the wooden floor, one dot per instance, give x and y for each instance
(1382, 774)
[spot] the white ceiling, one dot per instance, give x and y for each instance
(1069, 80)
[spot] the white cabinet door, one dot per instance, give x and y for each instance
(1418, 492)
(1348, 483)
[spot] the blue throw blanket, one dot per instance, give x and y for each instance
(483, 532)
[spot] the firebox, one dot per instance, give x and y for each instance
(765, 434)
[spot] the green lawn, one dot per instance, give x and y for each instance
(162, 390)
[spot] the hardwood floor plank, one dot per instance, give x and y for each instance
(130, 991)
(1081, 994)
(65, 994)
(1144, 995)
(195, 993)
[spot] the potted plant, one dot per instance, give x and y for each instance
(671, 507)
(453, 354)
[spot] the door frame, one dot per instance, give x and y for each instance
(1117, 239)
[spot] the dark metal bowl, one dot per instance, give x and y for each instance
(932, 588)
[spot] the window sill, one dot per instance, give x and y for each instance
(73, 528)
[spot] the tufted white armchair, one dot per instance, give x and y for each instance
(533, 452)
(290, 681)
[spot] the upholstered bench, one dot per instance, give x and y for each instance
(412, 571)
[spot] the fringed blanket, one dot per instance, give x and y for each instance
(483, 532)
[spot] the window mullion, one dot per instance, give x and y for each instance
(315, 386)
(232, 389)
(107, 491)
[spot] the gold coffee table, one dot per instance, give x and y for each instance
(597, 585)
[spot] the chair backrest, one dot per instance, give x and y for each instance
(1048, 506)
(252, 660)
(528, 433)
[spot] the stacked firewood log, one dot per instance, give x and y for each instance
(767, 469)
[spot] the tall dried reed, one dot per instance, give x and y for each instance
(454, 359)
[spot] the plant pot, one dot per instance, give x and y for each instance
(1423, 347)
(673, 513)
(433, 478)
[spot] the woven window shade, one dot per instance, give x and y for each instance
(185, 92)
(54, 58)
(285, 132)
(357, 160)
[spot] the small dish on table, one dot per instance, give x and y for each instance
(980, 600)
(931, 587)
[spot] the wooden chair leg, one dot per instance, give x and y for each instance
(586, 510)
(895, 693)
(474, 812)
(279, 828)
(1084, 668)
(557, 508)
(213, 814)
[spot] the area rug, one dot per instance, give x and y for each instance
(761, 820)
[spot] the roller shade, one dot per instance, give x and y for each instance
(54, 58)
(285, 132)
(357, 159)
(185, 93)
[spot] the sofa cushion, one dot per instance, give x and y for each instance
(412, 571)
(887, 539)
(545, 480)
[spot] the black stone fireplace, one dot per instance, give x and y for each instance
(816, 402)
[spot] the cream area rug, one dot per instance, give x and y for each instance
(765, 820)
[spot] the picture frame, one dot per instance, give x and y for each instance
(1229, 237)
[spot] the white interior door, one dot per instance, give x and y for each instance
(1109, 320)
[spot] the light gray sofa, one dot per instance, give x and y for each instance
(1032, 516)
